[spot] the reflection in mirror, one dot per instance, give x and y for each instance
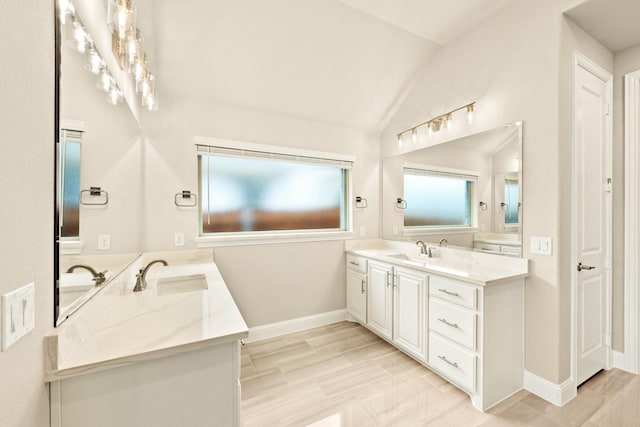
(467, 191)
(99, 145)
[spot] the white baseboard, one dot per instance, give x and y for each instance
(621, 361)
(558, 394)
(295, 325)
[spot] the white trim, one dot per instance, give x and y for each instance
(620, 361)
(631, 222)
(271, 238)
(558, 394)
(579, 60)
(429, 231)
(241, 145)
(70, 247)
(431, 168)
(271, 330)
(73, 125)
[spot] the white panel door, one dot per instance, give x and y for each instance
(592, 215)
(409, 318)
(379, 298)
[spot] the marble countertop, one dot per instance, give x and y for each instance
(472, 267)
(136, 326)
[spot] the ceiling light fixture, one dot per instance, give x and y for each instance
(443, 121)
(127, 48)
(82, 42)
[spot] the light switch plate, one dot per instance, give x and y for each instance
(18, 314)
(104, 242)
(178, 239)
(541, 245)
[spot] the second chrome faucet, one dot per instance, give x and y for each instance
(141, 277)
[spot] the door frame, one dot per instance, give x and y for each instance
(631, 357)
(581, 61)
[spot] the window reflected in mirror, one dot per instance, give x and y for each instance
(436, 199)
(70, 155)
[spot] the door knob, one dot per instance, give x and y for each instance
(584, 267)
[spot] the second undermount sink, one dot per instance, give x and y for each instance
(179, 284)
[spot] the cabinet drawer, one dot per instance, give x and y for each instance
(457, 324)
(356, 263)
(453, 362)
(453, 291)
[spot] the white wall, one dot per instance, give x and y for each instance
(111, 159)
(271, 282)
(26, 220)
(509, 65)
(624, 62)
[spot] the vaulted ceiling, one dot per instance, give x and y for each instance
(345, 62)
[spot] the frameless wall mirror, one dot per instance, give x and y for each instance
(467, 191)
(98, 174)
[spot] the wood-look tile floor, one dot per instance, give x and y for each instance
(343, 375)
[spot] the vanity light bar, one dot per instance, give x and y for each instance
(438, 123)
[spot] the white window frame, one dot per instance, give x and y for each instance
(69, 245)
(265, 237)
(435, 230)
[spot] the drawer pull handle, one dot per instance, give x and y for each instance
(354, 263)
(453, 325)
(455, 365)
(362, 288)
(453, 294)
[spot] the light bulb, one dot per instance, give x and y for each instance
(414, 135)
(470, 113)
(430, 126)
(115, 95)
(104, 81)
(95, 62)
(449, 120)
(399, 140)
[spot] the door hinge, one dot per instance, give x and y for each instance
(608, 109)
(607, 262)
(607, 340)
(608, 186)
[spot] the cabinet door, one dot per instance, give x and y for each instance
(409, 319)
(357, 295)
(379, 298)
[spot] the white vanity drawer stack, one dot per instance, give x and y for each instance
(453, 330)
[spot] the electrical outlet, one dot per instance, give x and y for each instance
(104, 242)
(18, 314)
(362, 231)
(178, 239)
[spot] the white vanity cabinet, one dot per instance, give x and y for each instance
(194, 388)
(397, 306)
(357, 288)
(469, 333)
(379, 298)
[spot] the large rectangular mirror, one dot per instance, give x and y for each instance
(466, 191)
(98, 176)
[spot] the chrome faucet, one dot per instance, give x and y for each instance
(423, 247)
(99, 278)
(443, 241)
(141, 277)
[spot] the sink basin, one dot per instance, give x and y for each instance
(179, 284)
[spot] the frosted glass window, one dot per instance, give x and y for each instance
(249, 194)
(437, 201)
(70, 191)
(511, 199)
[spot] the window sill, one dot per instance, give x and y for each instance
(428, 231)
(263, 239)
(70, 247)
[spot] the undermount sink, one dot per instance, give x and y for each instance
(179, 284)
(406, 257)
